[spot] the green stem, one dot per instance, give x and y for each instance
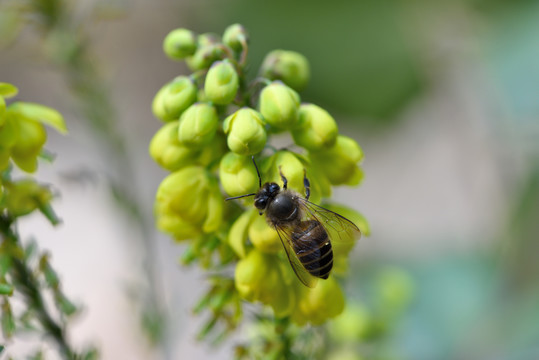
(27, 284)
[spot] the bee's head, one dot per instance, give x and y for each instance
(265, 194)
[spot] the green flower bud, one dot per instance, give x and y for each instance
(258, 277)
(221, 83)
(189, 202)
(316, 305)
(237, 236)
(346, 242)
(2, 111)
(24, 196)
(316, 129)
(340, 162)
(292, 166)
(264, 237)
(345, 354)
(173, 98)
(179, 44)
(238, 175)
(8, 90)
(208, 39)
(32, 137)
(245, 132)
(9, 132)
(290, 67)
(198, 125)
(209, 50)
(395, 289)
(235, 36)
(166, 149)
(351, 325)
(279, 105)
(4, 159)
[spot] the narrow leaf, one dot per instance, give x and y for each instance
(7, 90)
(41, 113)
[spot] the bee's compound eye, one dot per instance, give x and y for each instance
(261, 203)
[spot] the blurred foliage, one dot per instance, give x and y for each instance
(27, 278)
(65, 27)
(364, 58)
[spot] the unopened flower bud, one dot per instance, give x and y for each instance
(189, 203)
(340, 162)
(221, 83)
(264, 237)
(237, 236)
(235, 36)
(173, 98)
(209, 50)
(238, 175)
(291, 165)
(179, 44)
(25, 196)
(258, 278)
(245, 132)
(2, 111)
(8, 90)
(279, 105)
(318, 304)
(165, 148)
(346, 240)
(198, 125)
(4, 159)
(351, 325)
(30, 140)
(290, 67)
(316, 128)
(395, 289)
(9, 132)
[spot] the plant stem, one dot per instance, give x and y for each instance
(26, 283)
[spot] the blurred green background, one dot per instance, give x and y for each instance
(442, 96)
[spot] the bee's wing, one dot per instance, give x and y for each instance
(285, 234)
(339, 228)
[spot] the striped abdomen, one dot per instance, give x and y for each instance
(313, 248)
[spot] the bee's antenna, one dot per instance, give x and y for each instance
(238, 197)
(258, 173)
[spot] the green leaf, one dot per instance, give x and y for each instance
(5, 264)
(41, 113)
(65, 305)
(8, 90)
(8, 322)
(6, 289)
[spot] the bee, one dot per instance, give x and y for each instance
(306, 230)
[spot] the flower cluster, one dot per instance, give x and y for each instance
(22, 136)
(215, 120)
(26, 274)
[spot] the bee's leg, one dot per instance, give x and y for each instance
(307, 185)
(285, 182)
